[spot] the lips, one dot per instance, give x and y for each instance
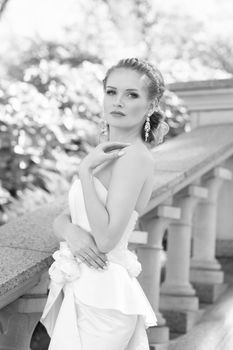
(117, 113)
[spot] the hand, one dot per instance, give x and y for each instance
(103, 153)
(83, 247)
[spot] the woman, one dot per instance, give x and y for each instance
(95, 300)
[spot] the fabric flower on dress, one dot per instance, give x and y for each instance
(133, 266)
(65, 267)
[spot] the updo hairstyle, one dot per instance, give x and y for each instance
(155, 88)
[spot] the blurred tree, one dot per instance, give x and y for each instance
(3, 4)
(218, 54)
(177, 42)
(50, 108)
(49, 113)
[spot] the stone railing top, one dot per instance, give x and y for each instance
(26, 243)
(201, 85)
(184, 159)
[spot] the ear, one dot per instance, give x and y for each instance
(152, 107)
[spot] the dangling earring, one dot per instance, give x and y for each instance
(147, 127)
(103, 129)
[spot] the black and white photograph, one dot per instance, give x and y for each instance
(116, 175)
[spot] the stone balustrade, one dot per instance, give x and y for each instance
(209, 102)
(190, 173)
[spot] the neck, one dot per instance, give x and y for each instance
(120, 136)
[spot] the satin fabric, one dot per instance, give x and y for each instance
(110, 329)
(73, 325)
(81, 298)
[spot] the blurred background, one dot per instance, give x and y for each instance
(53, 57)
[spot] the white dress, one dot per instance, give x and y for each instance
(90, 309)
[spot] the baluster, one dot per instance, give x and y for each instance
(206, 273)
(150, 256)
(178, 301)
(19, 319)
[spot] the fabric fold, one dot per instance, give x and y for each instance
(59, 312)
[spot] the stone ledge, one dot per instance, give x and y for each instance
(33, 231)
(201, 85)
(187, 157)
(208, 102)
(21, 270)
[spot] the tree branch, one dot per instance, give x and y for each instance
(3, 4)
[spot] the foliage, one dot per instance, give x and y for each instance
(180, 43)
(50, 108)
(48, 120)
(176, 114)
(218, 54)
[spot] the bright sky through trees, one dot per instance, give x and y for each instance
(46, 17)
(185, 35)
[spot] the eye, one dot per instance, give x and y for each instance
(110, 92)
(133, 95)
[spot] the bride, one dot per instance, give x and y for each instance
(95, 301)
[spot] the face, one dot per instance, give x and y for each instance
(126, 101)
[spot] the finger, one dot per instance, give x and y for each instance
(114, 146)
(82, 256)
(113, 155)
(99, 258)
(79, 257)
(94, 259)
(100, 255)
(112, 143)
(107, 157)
(90, 262)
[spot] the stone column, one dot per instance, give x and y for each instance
(206, 273)
(19, 319)
(178, 301)
(150, 258)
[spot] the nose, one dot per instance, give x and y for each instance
(118, 101)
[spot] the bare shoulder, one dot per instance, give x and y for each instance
(133, 169)
(131, 179)
(140, 154)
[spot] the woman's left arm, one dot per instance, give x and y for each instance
(108, 222)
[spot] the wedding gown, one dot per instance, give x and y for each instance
(90, 309)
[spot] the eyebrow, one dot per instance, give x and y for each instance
(112, 87)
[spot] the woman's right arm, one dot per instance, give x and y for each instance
(80, 241)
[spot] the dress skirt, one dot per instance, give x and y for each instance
(73, 325)
(110, 329)
(89, 309)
